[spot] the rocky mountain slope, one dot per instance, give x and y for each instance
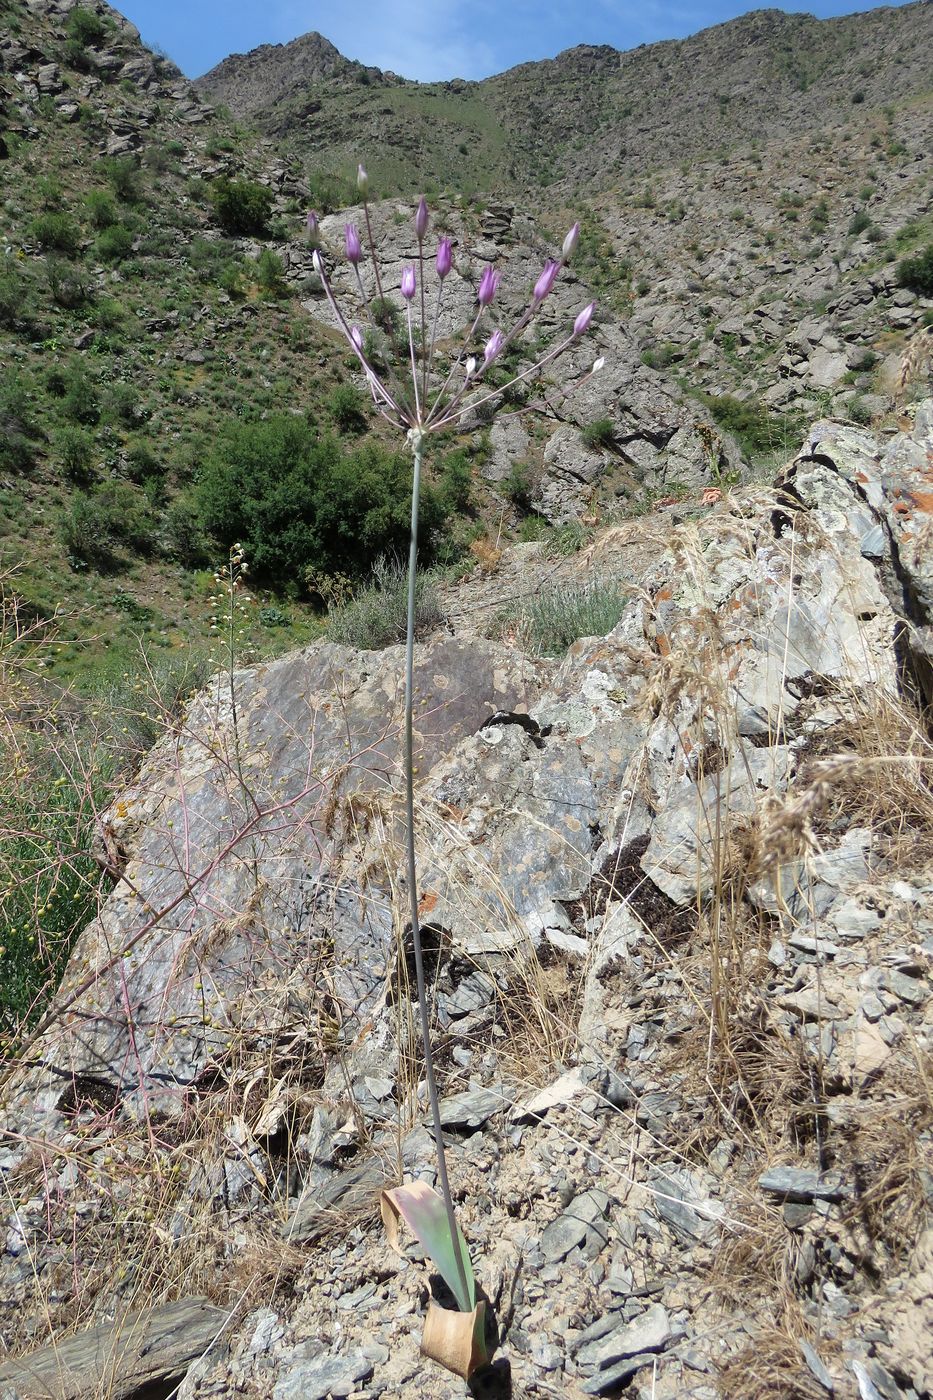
(676, 886)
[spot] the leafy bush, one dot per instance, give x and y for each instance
(455, 482)
(301, 504)
(916, 273)
(85, 27)
(241, 206)
(55, 231)
(270, 273)
(599, 433)
(859, 222)
(17, 429)
(123, 174)
(517, 486)
(69, 285)
(101, 209)
(142, 464)
(376, 616)
(80, 402)
(14, 295)
(124, 405)
(347, 409)
(76, 450)
(115, 243)
(103, 522)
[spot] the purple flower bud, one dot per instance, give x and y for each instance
(470, 367)
(317, 263)
(362, 181)
(421, 218)
(583, 320)
(312, 221)
(354, 250)
(570, 242)
(444, 258)
(488, 285)
(493, 347)
(408, 283)
(356, 335)
(546, 281)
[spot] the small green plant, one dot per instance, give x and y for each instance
(270, 273)
(599, 433)
(101, 209)
(85, 27)
(375, 617)
(114, 243)
(55, 231)
(347, 408)
(916, 273)
(122, 172)
(69, 285)
(76, 451)
(241, 206)
(102, 523)
(552, 620)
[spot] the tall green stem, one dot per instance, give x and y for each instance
(418, 448)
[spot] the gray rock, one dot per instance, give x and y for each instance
(315, 1380)
(796, 1184)
(816, 1367)
(648, 1333)
(472, 1108)
(575, 1225)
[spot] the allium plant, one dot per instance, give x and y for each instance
(428, 398)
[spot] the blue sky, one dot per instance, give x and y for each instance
(451, 39)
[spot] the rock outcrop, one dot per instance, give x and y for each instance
(676, 894)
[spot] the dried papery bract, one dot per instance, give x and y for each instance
(429, 401)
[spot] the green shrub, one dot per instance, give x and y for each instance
(859, 222)
(241, 206)
(142, 464)
(76, 450)
(916, 273)
(114, 243)
(17, 430)
(270, 273)
(301, 504)
(552, 620)
(69, 285)
(105, 521)
(747, 420)
(101, 209)
(122, 172)
(123, 405)
(599, 433)
(376, 616)
(85, 27)
(56, 232)
(517, 486)
(80, 402)
(347, 408)
(14, 295)
(455, 482)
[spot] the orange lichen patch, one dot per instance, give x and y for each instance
(664, 595)
(427, 902)
(923, 500)
(663, 644)
(901, 508)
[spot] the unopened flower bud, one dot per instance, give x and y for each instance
(317, 263)
(598, 364)
(408, 283)
(546, 281)
(354, 248)
(493, 347)
(356, 335)
(584, 318)
(421, 218)
(570, 242)
(470, 367)
(444, 258)
(362, 181)
(312, 221)
(488, 285)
